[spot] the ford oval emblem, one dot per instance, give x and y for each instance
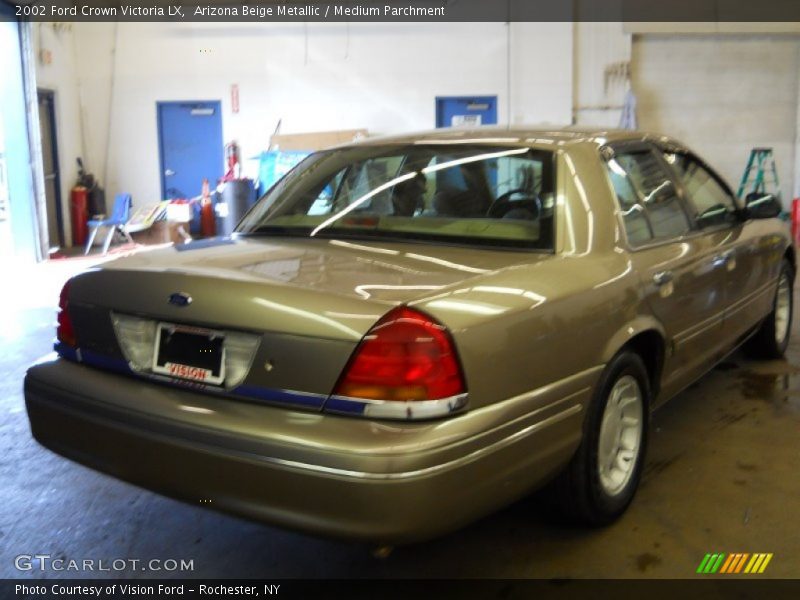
(180, 299)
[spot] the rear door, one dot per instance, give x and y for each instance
(683, 280)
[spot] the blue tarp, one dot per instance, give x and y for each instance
(274, 165)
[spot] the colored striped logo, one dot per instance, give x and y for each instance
(739, 562)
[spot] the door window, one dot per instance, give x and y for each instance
(647, 197)
(637, 226)
(713, 203)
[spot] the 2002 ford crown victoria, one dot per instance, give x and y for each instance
(407, 333)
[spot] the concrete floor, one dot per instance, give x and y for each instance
(721, 476)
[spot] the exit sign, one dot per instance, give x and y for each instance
(235, 98)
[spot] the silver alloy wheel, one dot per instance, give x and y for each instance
(620, 435)
(783, 309)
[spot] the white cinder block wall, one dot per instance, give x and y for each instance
(602, 52)
(721, 93)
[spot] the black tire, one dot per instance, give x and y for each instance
(765, 343)
(582, 497)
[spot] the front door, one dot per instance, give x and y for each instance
(749, 251)
(190, 144)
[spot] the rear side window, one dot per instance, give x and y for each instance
(647, 197)
(636, 224)
(712, 202)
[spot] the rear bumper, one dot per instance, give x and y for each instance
(325, 474)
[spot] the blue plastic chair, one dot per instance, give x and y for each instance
(117, 222)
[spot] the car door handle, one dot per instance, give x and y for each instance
(169, 172)
(725, 258)
(662, 278)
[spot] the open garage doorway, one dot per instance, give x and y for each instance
(19, 234)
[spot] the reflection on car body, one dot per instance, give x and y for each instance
(407, 333)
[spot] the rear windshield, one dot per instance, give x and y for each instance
(497, 196)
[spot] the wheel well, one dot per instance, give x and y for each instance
(649, 345)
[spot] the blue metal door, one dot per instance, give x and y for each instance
(466, 111)
(190, 146)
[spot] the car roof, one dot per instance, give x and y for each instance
(521, 136)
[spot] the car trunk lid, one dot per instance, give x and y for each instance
(291, 311)
(330, 289)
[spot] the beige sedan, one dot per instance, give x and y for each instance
(407, 333)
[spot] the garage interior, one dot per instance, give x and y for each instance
(723, 455)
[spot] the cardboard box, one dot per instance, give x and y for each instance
(157, 233)
(178, 232)
(315, 141)
(163, 232)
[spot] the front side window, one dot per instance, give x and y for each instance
(647, 197)
(464, 194)
(713, 203)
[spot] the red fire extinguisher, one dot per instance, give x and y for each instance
(79, 214)
(233, 162)
(208, 226)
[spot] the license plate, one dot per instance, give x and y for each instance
(190, 353)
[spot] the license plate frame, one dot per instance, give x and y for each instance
(199, 372)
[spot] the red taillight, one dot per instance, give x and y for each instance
(407, 355)
(65, 333)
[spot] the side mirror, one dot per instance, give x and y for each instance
(762, 206)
